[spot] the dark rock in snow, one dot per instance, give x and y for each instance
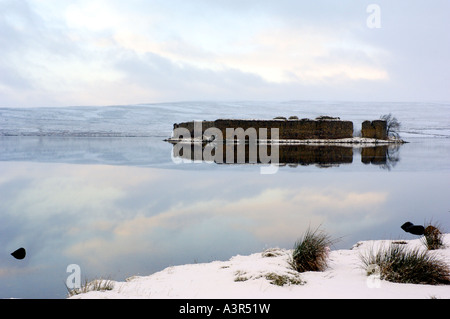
(413, 229)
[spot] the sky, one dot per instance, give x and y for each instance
(114, 52)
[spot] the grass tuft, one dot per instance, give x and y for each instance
(433, 238)
(399, 264)
(95, 285)
(311, 251)
(283, 280)
(240, 276)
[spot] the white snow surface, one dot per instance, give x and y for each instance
(349, 142)
(248, 277)
(418, 119)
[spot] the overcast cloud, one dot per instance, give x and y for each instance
(104, 52)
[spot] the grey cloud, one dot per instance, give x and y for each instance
(413, 33)
(25, 35)
(16, 30)
(11, 78)
(413, 41)
(186, 81)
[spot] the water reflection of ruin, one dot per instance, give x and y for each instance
(386, 156)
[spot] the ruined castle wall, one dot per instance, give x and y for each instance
(288, 129)
(375, 129)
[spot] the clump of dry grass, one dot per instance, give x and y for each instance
(95, 285)
(283, 280)
(311, 251)
(399, 264)
(240, 276)
(433, 238)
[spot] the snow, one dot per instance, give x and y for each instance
(143, 120)
(350, 142)
(249, 277)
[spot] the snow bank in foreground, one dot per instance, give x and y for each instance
(252, 277)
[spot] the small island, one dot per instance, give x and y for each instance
(292, 130)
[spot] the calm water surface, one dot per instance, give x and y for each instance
(120, 207)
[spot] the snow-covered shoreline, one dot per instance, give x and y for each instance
(253, 277)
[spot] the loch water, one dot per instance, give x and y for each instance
(98, 187)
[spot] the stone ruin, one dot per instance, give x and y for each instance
(375, 129)
(321, 128)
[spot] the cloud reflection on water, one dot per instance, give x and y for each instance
(123, 220)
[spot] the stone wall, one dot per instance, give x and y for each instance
(288, 129)
(375, 129)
